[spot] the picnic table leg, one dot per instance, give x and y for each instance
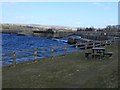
(103, 53)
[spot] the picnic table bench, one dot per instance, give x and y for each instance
(88, 54)
(108, 54)
(98, 52)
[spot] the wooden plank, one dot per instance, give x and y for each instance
(58, 50)
(57, 46)
(7, 53)
(6, 59)
(29, 60)
(73, 45)
(42, 48)
(97, 45)
(18, 57)
(82, 47)
(22, 51)
(44, 52)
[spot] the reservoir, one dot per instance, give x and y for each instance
(13, 42)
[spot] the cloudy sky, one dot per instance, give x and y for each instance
(74, 14)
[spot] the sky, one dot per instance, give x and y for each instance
(72, 14)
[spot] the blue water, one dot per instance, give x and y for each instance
(13, 42)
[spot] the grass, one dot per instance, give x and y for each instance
(72, 70)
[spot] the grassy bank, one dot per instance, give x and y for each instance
(72, 70)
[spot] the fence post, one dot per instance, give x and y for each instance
(14, 57)
(100, 43)
(35, 55)
(106, 43)
(86, 45)
(65, 50)
(110, 42)
(76, 47)
(93, 44)
(52, 50)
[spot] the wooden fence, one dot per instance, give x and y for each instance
(35, 53)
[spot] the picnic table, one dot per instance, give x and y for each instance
(98, 50)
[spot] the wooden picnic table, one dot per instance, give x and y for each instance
(98, 51)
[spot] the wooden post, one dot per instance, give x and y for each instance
(100, 43)
(65, 50)
(86, 45)
(35, 55)
(110, 42)
(93, 44)
(52, 50)
(76, 46)
(106, 43)
(14, 57)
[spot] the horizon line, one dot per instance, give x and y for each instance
(61, 25)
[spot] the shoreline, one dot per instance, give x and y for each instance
(47, 34)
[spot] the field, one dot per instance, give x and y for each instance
(70, 71)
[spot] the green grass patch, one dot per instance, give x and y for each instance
(72, 70)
